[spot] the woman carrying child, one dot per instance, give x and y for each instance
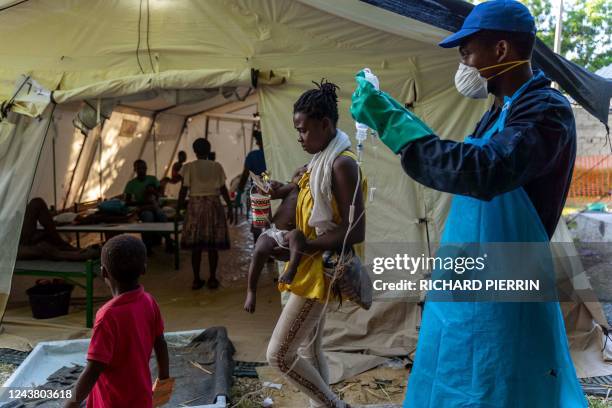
(327, 190)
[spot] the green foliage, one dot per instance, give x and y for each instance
(595, 402)
(587, 29)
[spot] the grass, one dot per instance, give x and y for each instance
(596, 402)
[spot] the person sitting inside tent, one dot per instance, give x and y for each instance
(46, 243)
(143, 192)
(177, 166)
(278, 236)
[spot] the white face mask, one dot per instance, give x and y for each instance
(469, 82)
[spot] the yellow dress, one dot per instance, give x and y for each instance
(310, 281)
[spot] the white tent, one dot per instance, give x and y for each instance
(96, 164)
(180, 56)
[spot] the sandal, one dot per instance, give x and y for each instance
(213, 283)
(198, 285)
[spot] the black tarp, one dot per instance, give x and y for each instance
(212, 350)
(591, 91)
(202, 371)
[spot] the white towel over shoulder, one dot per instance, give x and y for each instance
(320, 168)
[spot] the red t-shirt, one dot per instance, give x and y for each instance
(123, 336)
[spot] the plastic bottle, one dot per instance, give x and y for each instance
(362, 133)
(362, 130)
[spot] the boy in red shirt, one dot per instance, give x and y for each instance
(126, 330)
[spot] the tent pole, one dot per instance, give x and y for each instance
(232, 105)
(155, 151)
(100, 145)
(40, 153)
(176, 146)
(243, 139)
(54, 166)
(232, 117)
(92, 158)
(558, 35)
(151, 127)
(74, 170)
(144, 143)
(90, 161)
(206, 127)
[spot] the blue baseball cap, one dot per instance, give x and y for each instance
(500, 15)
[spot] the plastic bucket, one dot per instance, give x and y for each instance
(49, 299)
(260, 210)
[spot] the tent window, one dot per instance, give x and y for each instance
(128, 128)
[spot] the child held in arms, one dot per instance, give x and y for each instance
(276, 237)
(126, 330)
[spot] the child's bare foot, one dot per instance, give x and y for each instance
(249, 304)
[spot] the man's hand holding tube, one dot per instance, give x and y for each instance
(395, 125)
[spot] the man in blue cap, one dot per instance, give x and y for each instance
(510, 179)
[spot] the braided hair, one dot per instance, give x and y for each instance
(320, 102)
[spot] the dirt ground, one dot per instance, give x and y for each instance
(374, 388)
(381, 385)
(369, 388)
(224, 307)
(181, 307)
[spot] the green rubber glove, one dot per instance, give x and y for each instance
(395, 125)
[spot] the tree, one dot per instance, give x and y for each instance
(587, 29)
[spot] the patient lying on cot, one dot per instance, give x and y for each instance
(278, 236)
(47, 243)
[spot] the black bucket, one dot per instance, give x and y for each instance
(50, 299)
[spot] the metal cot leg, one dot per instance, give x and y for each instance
(177, 249)
(89, 293)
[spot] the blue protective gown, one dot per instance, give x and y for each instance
(505, 354)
